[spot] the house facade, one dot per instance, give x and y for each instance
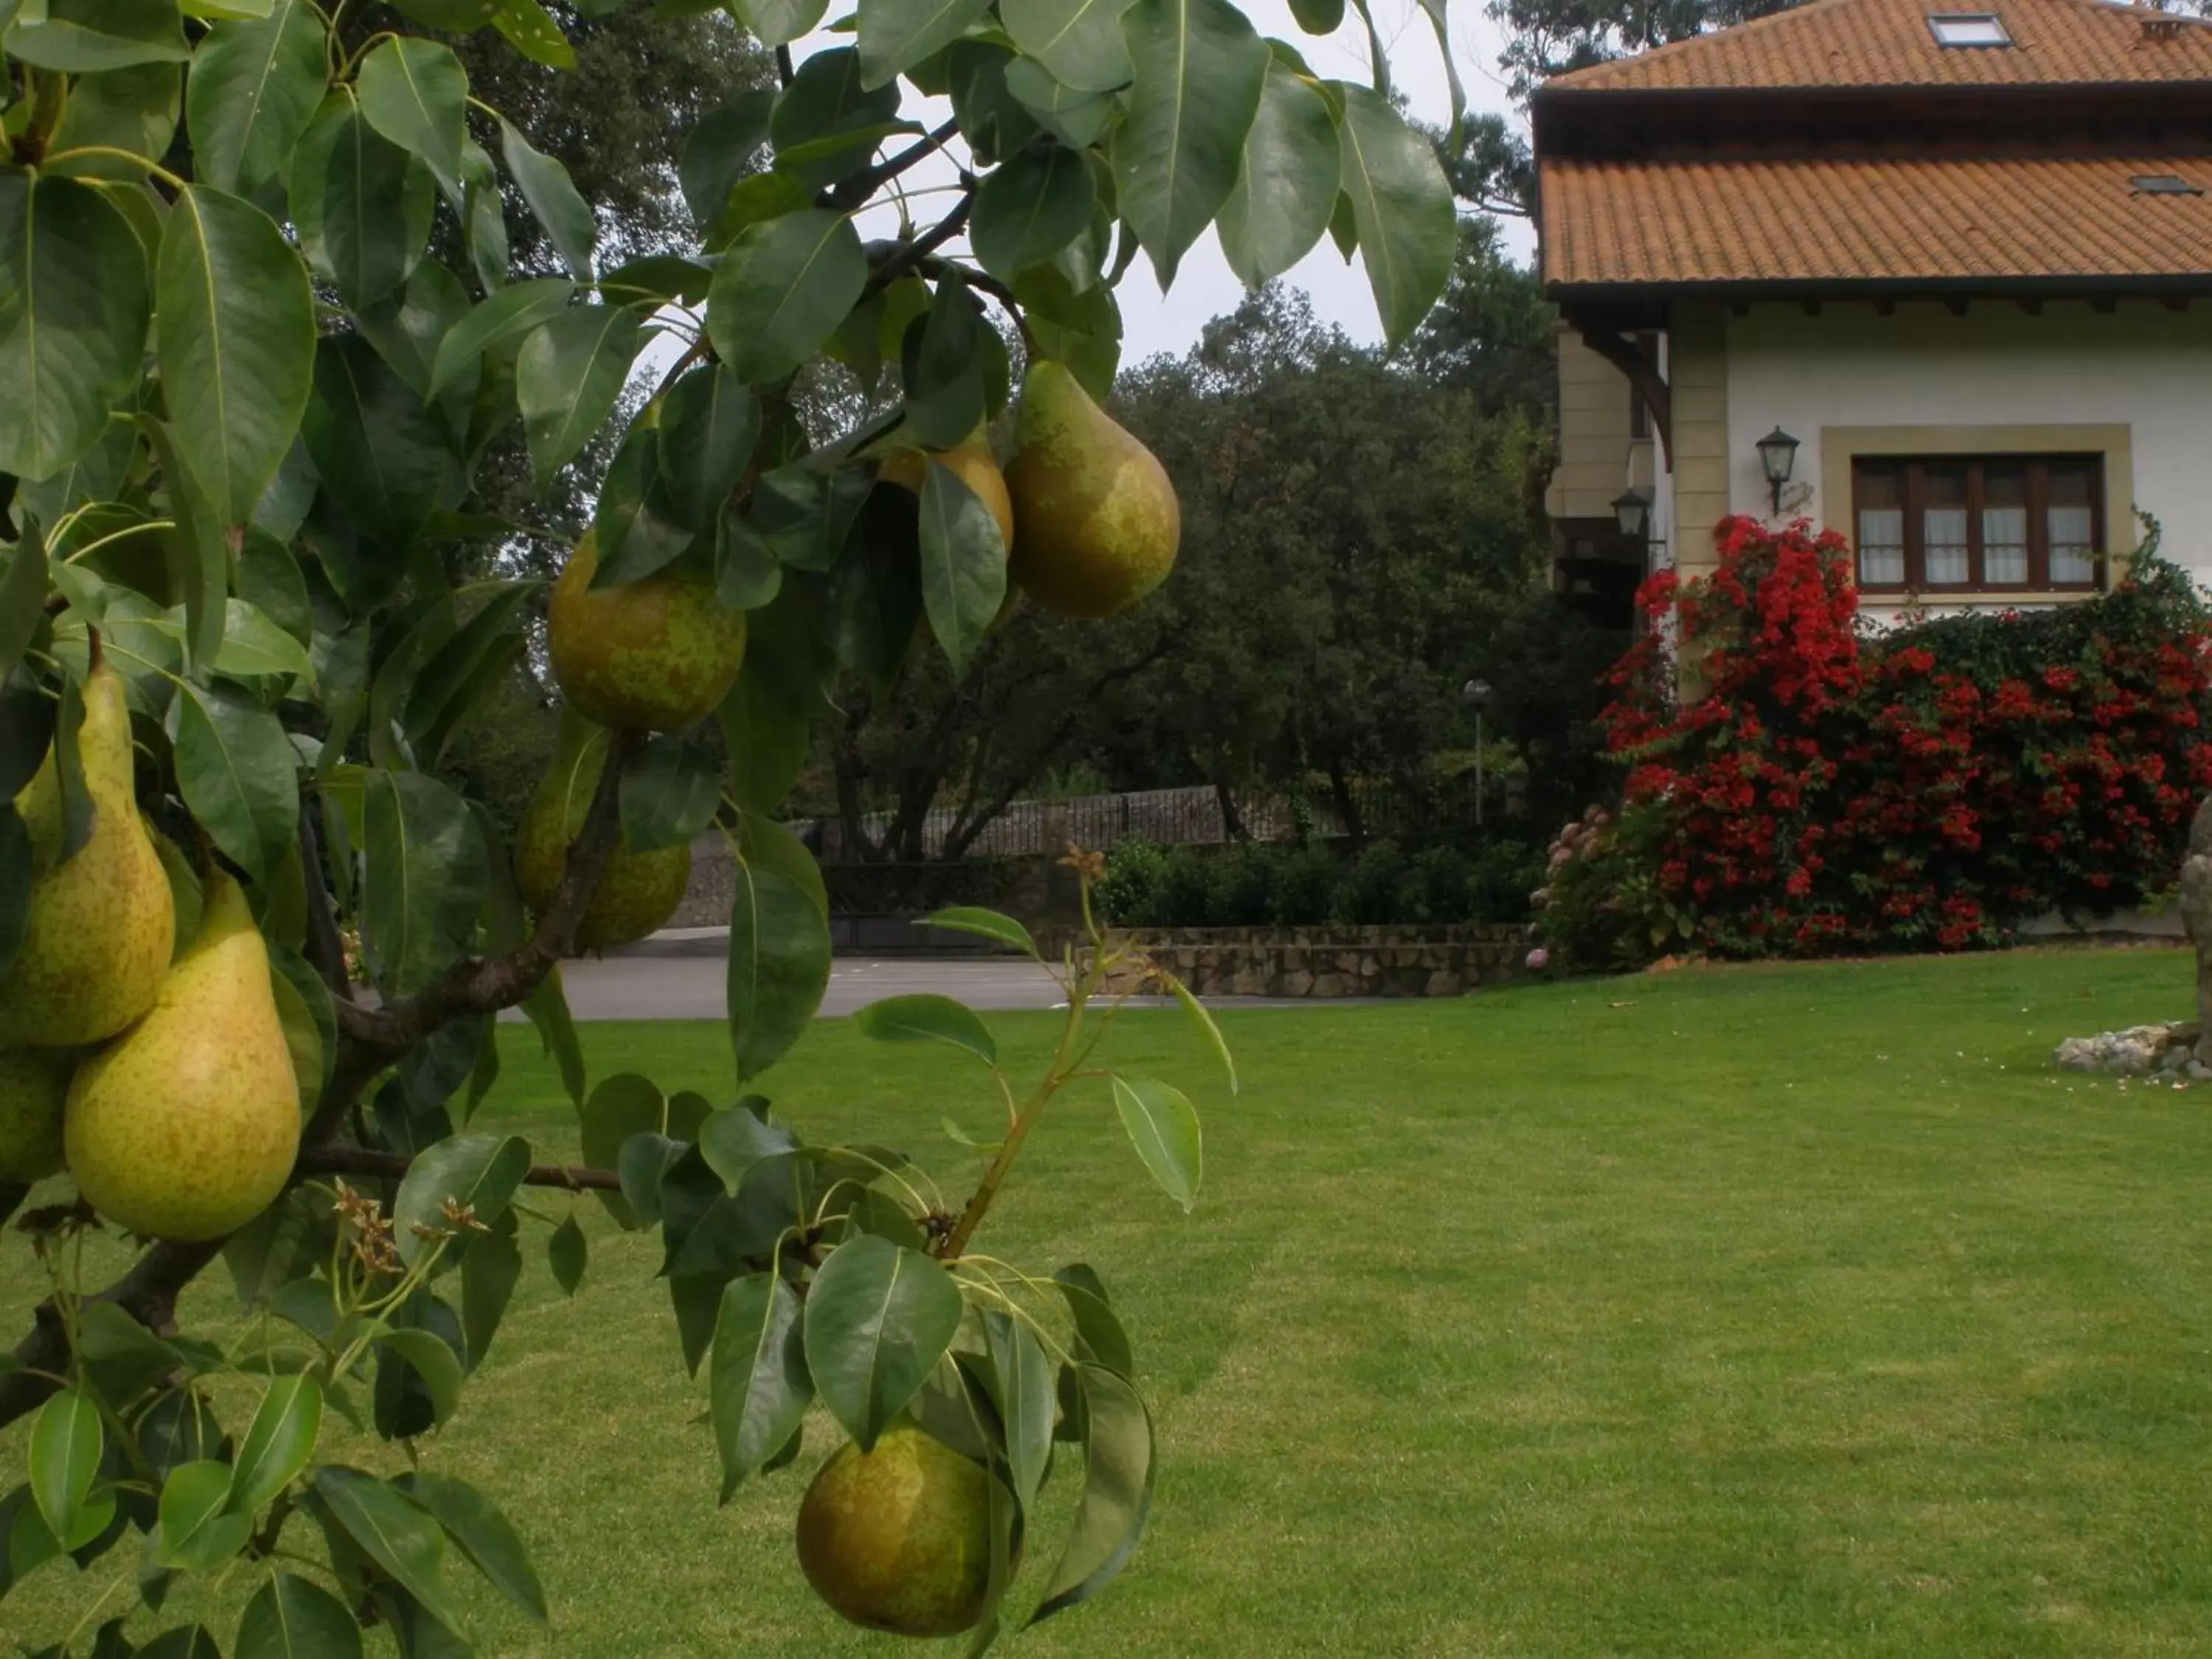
(1958, 255)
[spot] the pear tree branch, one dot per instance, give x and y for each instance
(366, 1161)
(369, 1041)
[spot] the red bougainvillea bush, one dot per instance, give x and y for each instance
(1798, 782)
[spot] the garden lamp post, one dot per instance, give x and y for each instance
(1475, 694)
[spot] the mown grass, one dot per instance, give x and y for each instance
(1762, 1311)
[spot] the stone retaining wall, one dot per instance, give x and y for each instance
(1331, 962)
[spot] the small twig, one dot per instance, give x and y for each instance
(860, 187)
(784, 70)
(906, 256)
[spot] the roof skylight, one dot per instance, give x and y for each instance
(2163, 184)
(1968, 29)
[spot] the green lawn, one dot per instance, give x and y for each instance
(1764, 1311)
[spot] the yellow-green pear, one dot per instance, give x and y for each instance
(33, 1083)
(98, 938)
(656, 655)
(186, 1127)
(1096, 520)
(899, 1539)
(637, 892)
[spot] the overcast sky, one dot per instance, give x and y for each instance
(1204, 286)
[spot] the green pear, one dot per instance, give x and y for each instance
(33, 1083)
(1096, 520)
(101, 924)
(186, 1127)
(656, 655)
(899, 1539)
(638, 891)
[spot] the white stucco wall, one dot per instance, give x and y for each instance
(2143, 366)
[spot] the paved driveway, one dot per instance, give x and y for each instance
(690, 986)
(679, 976)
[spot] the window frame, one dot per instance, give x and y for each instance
(2002, 39)
(2037, 469)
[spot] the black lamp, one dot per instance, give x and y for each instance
(1633, 509)
(1778, 459)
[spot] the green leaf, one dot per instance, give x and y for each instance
(547, 1009)
(234, 335)
(289, 1618)
(1080, 41)
(879, 1318)
(1441, 22)
(1402, 206)
(709, 423)
(985, 924)
(1288, 186)
(73, 309)
(361, 203)
(506, 315)
(1079, 119)
(896, 34)
(425, 879)
(634, 535)
(1099, 1338)
(485, 1536)
(1026, 1401)
(199, 562)
(66, 1443)
(530, 30)
(1207, 1028)
(545, 184)
(305, 1010)
(721, 150)
(453, 16)
(478, 1173)
(758, 1385)
(408, 327)
(239, 774)
(433, 1363)
(197, 1530)
(569, 373)
(380, 452)
(1081, 330)
(669, 792)
(779, 967)
(1033, 206)
(623, 1106)
(278, 1444)
(22, 598)
(923, 1018)
(416, 93)
(483, 217)
(1200, 69)
(963, 565)
(1318, 16)
(1163, 1126)
(1117, 1492)
(446, 677)
(134, 109)
(942, 365)
(781, 290)
(394, 1532)
(87, 36)
(746, 575)
(768, 845)
(568, 1253)
(779, 23)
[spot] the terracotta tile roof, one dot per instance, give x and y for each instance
(1877, 219)
(1889, 43)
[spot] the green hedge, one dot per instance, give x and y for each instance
(1266, 884)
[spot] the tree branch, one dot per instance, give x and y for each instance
(906, 256)
(860, 187)
(488, 984)
(325, 948)
(370, 1040)
(363, 1161)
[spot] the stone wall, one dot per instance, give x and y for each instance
(1331, 962)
